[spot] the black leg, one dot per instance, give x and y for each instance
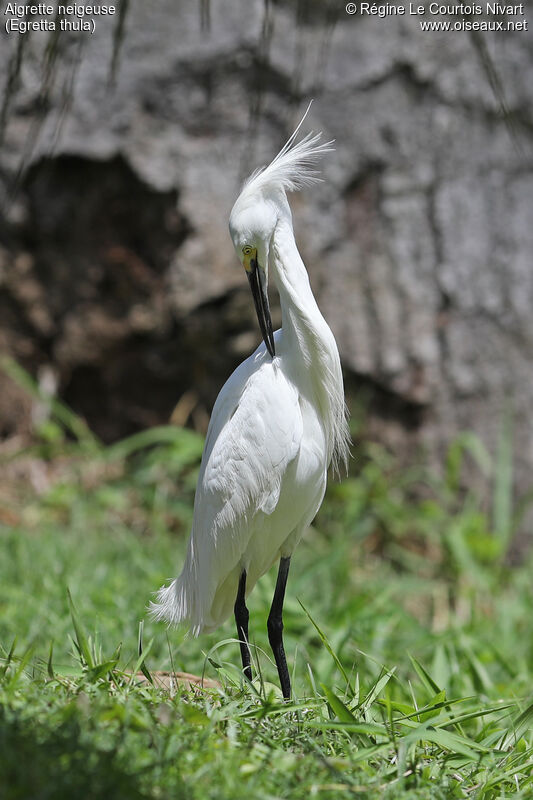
(275, 627)
(241, 618)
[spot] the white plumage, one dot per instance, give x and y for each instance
(277, 423)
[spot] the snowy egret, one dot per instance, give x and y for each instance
(276, 426)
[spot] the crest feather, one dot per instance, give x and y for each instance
(293, 167)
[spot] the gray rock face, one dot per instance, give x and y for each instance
(116, 263)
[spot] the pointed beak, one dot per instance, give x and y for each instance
(256, 277)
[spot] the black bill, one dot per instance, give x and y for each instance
(256, 276)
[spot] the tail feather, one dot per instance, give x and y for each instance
(169, 605)
(173, 604)
(194, 599)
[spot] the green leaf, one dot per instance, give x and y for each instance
(424, 676)
(49, 666)
(144, 669)
(9, 658)
(195, 716)
(434, 707)
(466, 442)
(329, 648)
(377, 688)
(81, 638)
(482, 679)
(447, 740)
(337, 706)
(404, 708)
(190, 443)
(21, 665)
(521, 725)
(100, 670)
(367, 728)
(468, 715)
(140, 663)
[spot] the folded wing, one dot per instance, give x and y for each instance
(254, 435)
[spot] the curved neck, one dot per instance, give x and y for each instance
(304, 328)
(308, 346)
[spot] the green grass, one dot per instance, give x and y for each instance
(409, 638)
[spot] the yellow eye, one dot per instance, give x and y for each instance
(247, 250)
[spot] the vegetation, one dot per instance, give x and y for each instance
(409, 635)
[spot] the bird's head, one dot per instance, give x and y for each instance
(252, 222)
(258, 209)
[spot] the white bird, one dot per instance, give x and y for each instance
(276, 426)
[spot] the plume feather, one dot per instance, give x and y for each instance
(293, 167)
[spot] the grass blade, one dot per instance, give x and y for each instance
(81, 638)
(424, 676)
(100, 670)
(140, 663)
(377, 688)
(49, 665)
(9, 658)
(337, 706)
(520, 726)
(329, 648)
(142, 666)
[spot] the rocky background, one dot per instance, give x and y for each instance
(122, 153)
